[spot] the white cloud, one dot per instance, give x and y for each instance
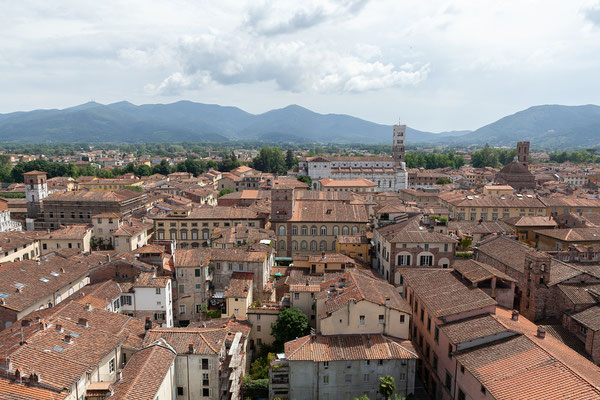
(289, 16)
(293, 65)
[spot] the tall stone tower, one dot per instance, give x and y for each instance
(523, 153)
(282, 202)
(36, 189)
(398, 143)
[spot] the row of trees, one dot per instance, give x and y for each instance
(581, 156)
(272, 160)
(434, 160)
(490, 157)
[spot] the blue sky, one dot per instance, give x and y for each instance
(436, 65)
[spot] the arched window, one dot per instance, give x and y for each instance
(304, 230)
(323, 245)
(173, 234)
(194, 234)
(281, 230)
(294, 230)
(282, 245)
(205, 233)
(183, 234)
(345, 230)
(354, 230)
(303, 245)
(336, 230)
(313, 230)
(294, 245)
(195, 245)
(323, 230)
(160, 234)
(313, 245)
(183, 245)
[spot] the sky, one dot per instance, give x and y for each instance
(434, 65)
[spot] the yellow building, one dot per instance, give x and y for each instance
(355, 246)
(261, 317)
(357, 185)
(105, 185)
(491, 208)
(498, 190)
(238, 296)
(68, 237)
(326, 262)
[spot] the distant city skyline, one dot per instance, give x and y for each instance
(443, 65)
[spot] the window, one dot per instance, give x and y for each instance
(348, 378)
(381, 319)
(448, 381)
(313, 230)
(182, 309)
(294, 230)
(205, 392)
(157, 290)
(281, 230)
(482, 390)
(426, 261)
(179, 390)
(336, 230)
(323, 231)
(325, 364)
(304, 230)
(402, 318)
(436, 335)
(126, 300)
(404, 260)
(111, 366)
(362, 319)
(348, 364)
(258, 328)
(198, 287)
(366, 378)
(345, 230)
(325, 379)
(313, 246)
(429, 324)
(296, 296)
(435, 362)
(229, 266)
(205, 363)
(198, 308)
(205, 380)
(181, 288)
(422, 314)
(461, 394)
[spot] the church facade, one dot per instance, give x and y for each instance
(389, 173)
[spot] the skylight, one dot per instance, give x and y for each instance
(54, 273)
(3, 296)
(45, 280)
(19, 285)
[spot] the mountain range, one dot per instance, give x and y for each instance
(184, 121)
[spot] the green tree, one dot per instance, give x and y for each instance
(443, 181)
(290, 160)
(485, 157)
(306, 179)
(290, 324)
(224, 192)
(228, 163)
(270, 159)
(163, 168)
(387, 386)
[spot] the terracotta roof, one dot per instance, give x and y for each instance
(356, 182)
(580, 293)
(442, 293)
(564, 201)
(150, 280)
(470, 329)
(320, 211)
(531, 221)
(476, 271)
(410, 231)
(507, 251)
(518, 369)
(145, 372)
(572, 234)
(131, 228)
(239, 284)
(590, 318)
(204, 340)
(352, 239)
(15, 240)
(192, 257)
(11, 390)
(75, 232)
(25, 283)
(476, 227)
(318, 348)
(356, 286)
(94, 196)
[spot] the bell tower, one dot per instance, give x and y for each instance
(398, 150)
(36, 189)
(523, 153)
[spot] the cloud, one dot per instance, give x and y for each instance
(592, 14)
(281, 17)
(292, 65)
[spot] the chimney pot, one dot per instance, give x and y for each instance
(83, 322)
(148, 324)
(191, 348)
(68, 338)
(59, 328)
(88, 307)
(515, 315)
(541, 332)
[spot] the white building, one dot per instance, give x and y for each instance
(389, 173)
(6, 224)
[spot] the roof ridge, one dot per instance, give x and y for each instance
(397, 344)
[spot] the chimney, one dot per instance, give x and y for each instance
(108, 258)
(34, 378)
(541, 332)
(58, 328)
(119, 375)
(24, 322)
(83, 322)
(42, 325)
(88, 307)
(17, 374)
(515, 315)
(148, 324)
(191, 348)
(387, 301)
(68, 339)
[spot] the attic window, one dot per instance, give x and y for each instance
(45, 280)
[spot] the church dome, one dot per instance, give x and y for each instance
(514, 168)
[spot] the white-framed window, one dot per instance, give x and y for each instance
(182, 309)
